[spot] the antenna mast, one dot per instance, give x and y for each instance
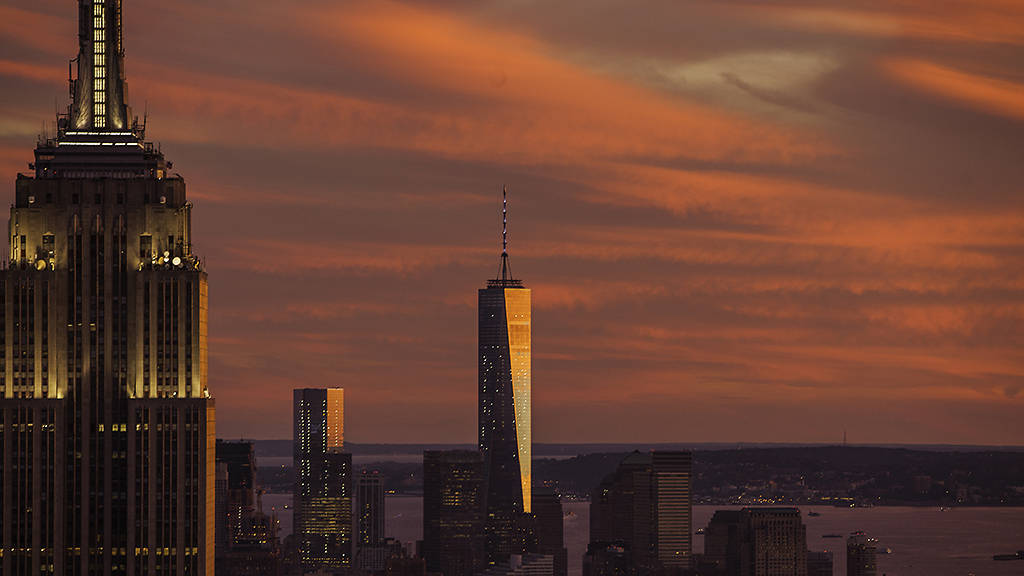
(506, 270)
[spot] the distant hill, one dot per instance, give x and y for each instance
(283, 448)
(819, 475)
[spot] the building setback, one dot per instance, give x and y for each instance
(504, 379)
(106, 422)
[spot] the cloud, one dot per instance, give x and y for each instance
(987, 95)
(781, 215)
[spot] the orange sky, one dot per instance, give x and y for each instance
(742, 221)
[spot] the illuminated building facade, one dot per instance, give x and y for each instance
(323, 479)
(645, 507)
(505, 434)
(453, 512)
(106, 424)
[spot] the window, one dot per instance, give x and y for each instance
(145, 246)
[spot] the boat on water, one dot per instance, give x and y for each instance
(700, 530)
(831, 535)
(1007, 557)
(814, 514)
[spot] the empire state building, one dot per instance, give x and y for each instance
(106, 424)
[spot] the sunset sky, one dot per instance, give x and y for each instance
(741, 221)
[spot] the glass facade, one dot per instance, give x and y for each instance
(505, 431)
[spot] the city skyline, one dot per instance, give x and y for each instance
(714, 221)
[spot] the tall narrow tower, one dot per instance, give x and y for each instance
(504, 395)
(106, 424)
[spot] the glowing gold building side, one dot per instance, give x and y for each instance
(335, 417)
(517, 318)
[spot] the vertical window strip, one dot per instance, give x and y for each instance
(99, 75)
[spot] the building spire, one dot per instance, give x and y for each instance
(506, 269)
(505, 277)
(98, 91)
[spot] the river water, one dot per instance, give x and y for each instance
(924, 541)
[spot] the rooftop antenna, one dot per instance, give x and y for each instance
(506, 270)
(505, 278)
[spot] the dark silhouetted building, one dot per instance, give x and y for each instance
(608, 559)
(106, 424)
(523, 565)
(247, 543)
(405, 566)
(505, 431)
(323, 480)
(757, 542)
(819, 563)
(645, 507)
(238, 462)
(861, 554)
(453, 512)
(548, 528)
(372, 551)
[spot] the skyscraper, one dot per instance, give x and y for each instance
(505, 368)
(106, 424)
(861, 555)
(523, 565)
(549, 528)
(757, 542)
(645, 507)
(323, 479)
(453, 512)
(371, 550)
(819, 563)
(247, 543)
